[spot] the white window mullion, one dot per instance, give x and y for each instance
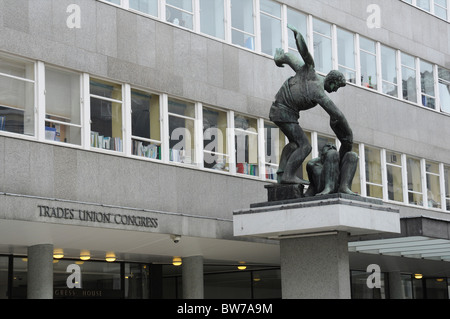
(126, 4)
(314, 145)
(284, 29)
(398, 57)
(198, 134)
(231, 143)
(310, 37)
(196, 18)
(442, 186)
(404, 179)
(362, 171)
(423, 179)
(358, 60)
(127, 129)
(261, 149)
(165, 153)
(257, 24)
(418, 82)
(379, 69)
(437, 98)
(227, 21)
(40, 101)
(334, 48)
(384, 181)
(86, 114)
(162, 10)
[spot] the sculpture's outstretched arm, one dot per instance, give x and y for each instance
(290, 59)
(302, 47)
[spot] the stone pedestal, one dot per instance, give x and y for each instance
(277, 192)
(313, 234)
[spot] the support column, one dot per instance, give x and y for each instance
(40, 272)
(192, 277)
(315, 267)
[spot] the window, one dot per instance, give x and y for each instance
(374, 187)
(242, 23)
(181, 131)
(360, 289)
(62, 106)
(433, 185)
(356, 183)
(297, 20)
(447, 186)
(215, 147)
(118, 2)
(368, 56)
(409, 78)
(389, 71)
(322, 46)
(270, 26)
(424, 4)
(394, 176)
(440, 8)
(212, 17)
(427, 85)
(444, 89)
(274, 141)
(246, 144)
(145, 124)
(415, 196)
(106, 115)
(17, 99)
(180, 13)
(346, 54)
(146, 6)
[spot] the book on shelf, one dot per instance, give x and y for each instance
(247, 169)
(271, 173)
(2, 123)
(106, 142)
(50, 133)
(149, 151)
(179, 156)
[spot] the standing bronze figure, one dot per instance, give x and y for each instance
(303, 91)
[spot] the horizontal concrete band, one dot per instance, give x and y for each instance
(333, 214)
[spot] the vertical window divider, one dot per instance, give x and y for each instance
(442, 186)
(398, 57)
(261, 149)
(310, 33)
(257, 24)
(196, 18)
(227, 21)
(231, 143)
(126, 4)
(358, 60)
(423, 179)
(379, 72)
(198, 132)
(40, 101)
(165, 128)
(314, 145)
(404, 178)
(418, 82)
(437, 96)
(362, 165)
(284, 29)
(162, 10)
(86, 119)
(127, 130)
(384, 174)
(334, 47)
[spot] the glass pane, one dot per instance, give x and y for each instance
(106, 116)
(212, 15)
(297, 20)
(359, 287)
(368, 64)
(447, 186)
(414, 181)
(137, 277)
(233, 285)
(271, 8)
(180, 13)
(145, 6)
(346, 54)
(266, 284)
(270, 34)
(215, 139)
(243, 39)
(242, 15)
(389, 71)
(373, 172)
(409, 84)
(98, 280)
(444, 89)
(322, 46)
(275, 141)
(20, 278)
(433, 191)
(440, 12)
(427, 84)
(322, 27)
(424, 4)
(394, 183)
(19, 69)
(246, 143)
(356, 183)
(181, 132)
(62, 97)
(4, 266)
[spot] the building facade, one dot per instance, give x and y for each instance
(131, 130)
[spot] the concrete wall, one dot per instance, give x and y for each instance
(124, 46)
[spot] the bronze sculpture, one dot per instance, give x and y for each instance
(301, 92)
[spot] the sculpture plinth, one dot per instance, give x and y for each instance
(313, 234)
(281, 192)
